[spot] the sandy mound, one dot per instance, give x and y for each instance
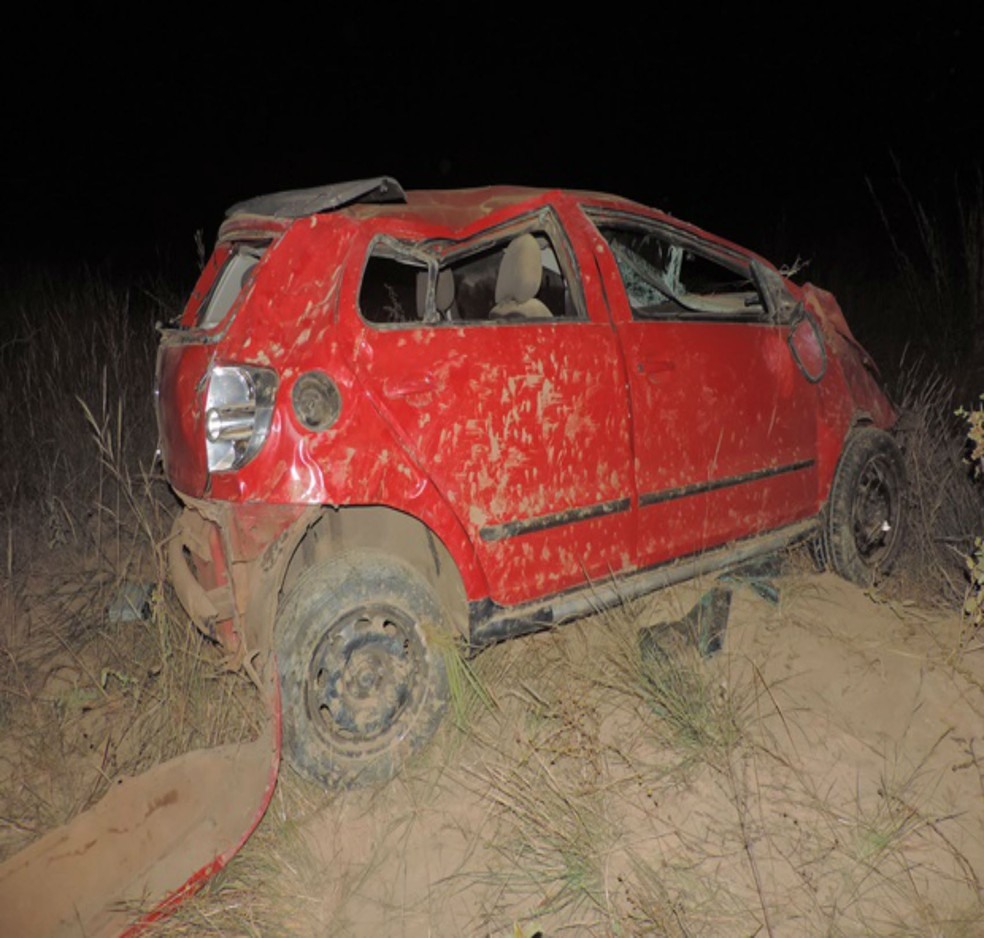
(824, 777)
(821, 774)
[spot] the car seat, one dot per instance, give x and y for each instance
(518, 282)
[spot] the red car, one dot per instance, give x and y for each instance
(398, 418)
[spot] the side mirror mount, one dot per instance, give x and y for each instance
(780, 306)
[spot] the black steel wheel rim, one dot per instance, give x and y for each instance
(876, 511)
(363, 675)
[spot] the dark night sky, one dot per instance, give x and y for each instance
(121, 140)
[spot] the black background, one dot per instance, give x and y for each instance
(123, 137)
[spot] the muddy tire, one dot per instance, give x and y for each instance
(864, 521)
(361, 685)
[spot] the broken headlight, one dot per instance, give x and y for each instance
(238, 412)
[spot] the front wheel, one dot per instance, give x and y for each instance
(863, 535)
(362, 685)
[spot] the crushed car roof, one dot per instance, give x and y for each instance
(266, 216)
(297, 203)
(383, 195)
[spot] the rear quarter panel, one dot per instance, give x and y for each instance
(290, 325)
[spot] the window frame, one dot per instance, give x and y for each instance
(436, 254)
(729, 259)
(224, 294)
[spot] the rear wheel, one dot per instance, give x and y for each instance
(362, 686)
(863, 533)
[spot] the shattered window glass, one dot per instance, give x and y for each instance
(666, 279)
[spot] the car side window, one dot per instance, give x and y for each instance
(667, 279)
(519, 278)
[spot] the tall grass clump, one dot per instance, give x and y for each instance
(100, 673)
(937, 242)
(936, 239)
(679, 692)
(85, 339)
(945, 510)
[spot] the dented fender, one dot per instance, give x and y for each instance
(849, 393)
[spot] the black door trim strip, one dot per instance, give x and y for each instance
(698, 488)
(490, 622)
(499, 532)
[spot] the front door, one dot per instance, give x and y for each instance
(724, 422)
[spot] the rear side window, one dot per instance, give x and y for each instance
(229, 283)
(514, 279)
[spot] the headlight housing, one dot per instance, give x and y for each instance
(238, 413)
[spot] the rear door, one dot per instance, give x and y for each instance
(510, 395)
(723, 420)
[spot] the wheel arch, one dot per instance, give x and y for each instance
(832, 437)
(335, 531)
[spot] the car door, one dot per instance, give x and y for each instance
(511, 398)
(723, 419)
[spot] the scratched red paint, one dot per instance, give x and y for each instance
(496, 434)
(632, 392)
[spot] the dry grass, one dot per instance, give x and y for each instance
(577, 789)
(577, 808)
(88, 692)
(937, 241)
(945, 507)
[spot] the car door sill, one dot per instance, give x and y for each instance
(492, 623)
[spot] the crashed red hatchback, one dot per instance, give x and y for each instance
(396, 418)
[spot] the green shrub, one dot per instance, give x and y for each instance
(974, 601)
